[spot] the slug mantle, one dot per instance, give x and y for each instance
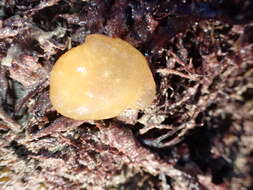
(101, 78)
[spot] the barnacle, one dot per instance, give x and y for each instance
(101, 78)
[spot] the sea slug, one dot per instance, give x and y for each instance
(101, 78)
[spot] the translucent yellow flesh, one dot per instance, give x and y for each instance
(100, 78)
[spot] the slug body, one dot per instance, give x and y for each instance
(100, 78)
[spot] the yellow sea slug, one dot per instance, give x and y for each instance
(101, 78)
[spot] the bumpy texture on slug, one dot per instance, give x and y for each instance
(100, 78)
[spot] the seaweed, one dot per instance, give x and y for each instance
(196, 134)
